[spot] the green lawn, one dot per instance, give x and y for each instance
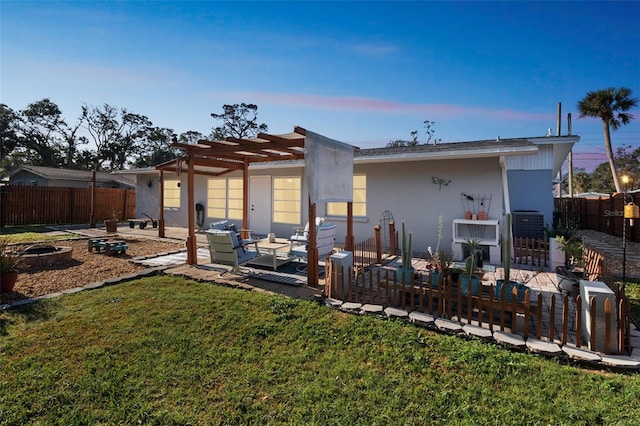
(28, 234)
(165, 350)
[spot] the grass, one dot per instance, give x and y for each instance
(165, 350)
(28, 234)
(632, 291)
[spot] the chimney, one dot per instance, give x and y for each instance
(559, 118)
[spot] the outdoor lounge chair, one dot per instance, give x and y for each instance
(301, 235)
(225, 249)
(325, 240)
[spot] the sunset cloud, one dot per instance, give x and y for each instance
(349, 103)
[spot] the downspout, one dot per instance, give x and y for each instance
(505, 185)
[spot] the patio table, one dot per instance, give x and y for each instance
(272, 253)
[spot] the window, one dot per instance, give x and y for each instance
(286, 199)
(359, 199)
(224, 198)
(172, 193)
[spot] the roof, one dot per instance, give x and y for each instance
(75, 175)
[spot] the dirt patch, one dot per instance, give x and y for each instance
(83, 268)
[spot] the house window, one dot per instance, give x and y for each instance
(359, 199)
(224, 198)
(287, 199)
(172, 193)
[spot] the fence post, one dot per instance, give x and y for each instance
(392, 239)
(376, 231)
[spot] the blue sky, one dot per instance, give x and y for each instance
(361, 72)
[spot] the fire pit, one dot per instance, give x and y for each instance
(45, 255)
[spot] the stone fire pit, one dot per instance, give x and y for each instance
(45, 255)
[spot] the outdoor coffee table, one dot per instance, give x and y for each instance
(272, 254)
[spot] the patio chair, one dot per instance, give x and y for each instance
(301, 235)
(225, 249)
(325, 240)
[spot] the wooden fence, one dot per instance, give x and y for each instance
(45, 205)
(556, 317)
(603, 214)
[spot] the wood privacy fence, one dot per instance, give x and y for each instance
(554, 317)
(45, 205)
(603, 214)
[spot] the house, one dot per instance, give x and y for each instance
(49, 176)
(422, 185)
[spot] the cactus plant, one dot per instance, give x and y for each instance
(406, 248)
(470, 266)
(506, 247)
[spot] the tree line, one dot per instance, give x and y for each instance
(39, 135)
(103, 137)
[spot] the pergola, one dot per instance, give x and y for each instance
(217, 158)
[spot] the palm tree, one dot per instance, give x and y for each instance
(611, 106)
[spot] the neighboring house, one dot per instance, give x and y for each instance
(49, 176)
(418, 185)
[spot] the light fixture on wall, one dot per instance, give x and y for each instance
(150, 183)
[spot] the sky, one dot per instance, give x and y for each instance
(363, 72)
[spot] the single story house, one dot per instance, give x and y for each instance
(444, 192)
(49, 176)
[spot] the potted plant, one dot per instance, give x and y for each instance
(506, 263)
(440, 260)
(405, 271)
(9, 266)
(111, 225)
(475, 250)
(469, 279)
(557, 236)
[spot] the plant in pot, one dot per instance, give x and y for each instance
(469, 279)
(111, 225)
(9, 266)
(557, 236)
(508, 285)
(405, 270)
(475, 250)
(440, 260)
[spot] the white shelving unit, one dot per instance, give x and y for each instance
(486, 231)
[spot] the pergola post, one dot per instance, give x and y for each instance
(192, 258)
(312, 250)
(245, 233)
(350, 240)
(161, 206)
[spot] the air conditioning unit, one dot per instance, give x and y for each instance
(528, 224)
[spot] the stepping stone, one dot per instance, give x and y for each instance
(396, 313)
(542, 347)
(621, 361)
(332, 303)
(508, 339)
(580, 354)
(476, 331)
(371, 309)
(421, 319)
(448, 325)
(351, 307)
